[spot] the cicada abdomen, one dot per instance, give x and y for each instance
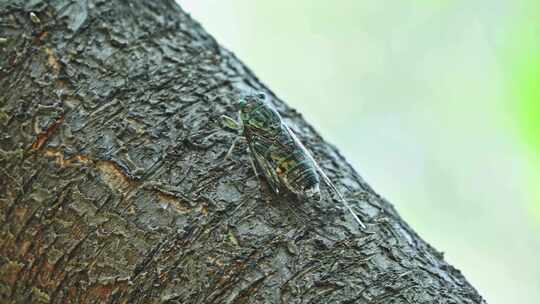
(299, 174)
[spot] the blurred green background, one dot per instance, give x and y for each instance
(435, 103)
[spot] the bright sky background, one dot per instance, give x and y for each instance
(433, 102)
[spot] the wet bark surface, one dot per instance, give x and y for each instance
(114, 187)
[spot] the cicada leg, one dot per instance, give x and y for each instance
(269, 174)
(231, 123)
(253, 166)
(231, 149)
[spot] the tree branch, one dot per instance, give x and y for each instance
(113, 187)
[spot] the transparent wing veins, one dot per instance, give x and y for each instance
(325, 177)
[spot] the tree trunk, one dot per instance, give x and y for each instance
(114, 187)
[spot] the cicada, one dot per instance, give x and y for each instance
(275, 150)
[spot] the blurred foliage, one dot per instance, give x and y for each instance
(524, 76)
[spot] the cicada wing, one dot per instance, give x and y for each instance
(269, 173)
(299, 144)
(325, 177)
(315, 164)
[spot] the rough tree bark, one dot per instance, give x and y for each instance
(113, 187)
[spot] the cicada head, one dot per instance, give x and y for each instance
(256, 112)
(249, 102)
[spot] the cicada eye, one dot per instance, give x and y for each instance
(261, 96)
(241, 104)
